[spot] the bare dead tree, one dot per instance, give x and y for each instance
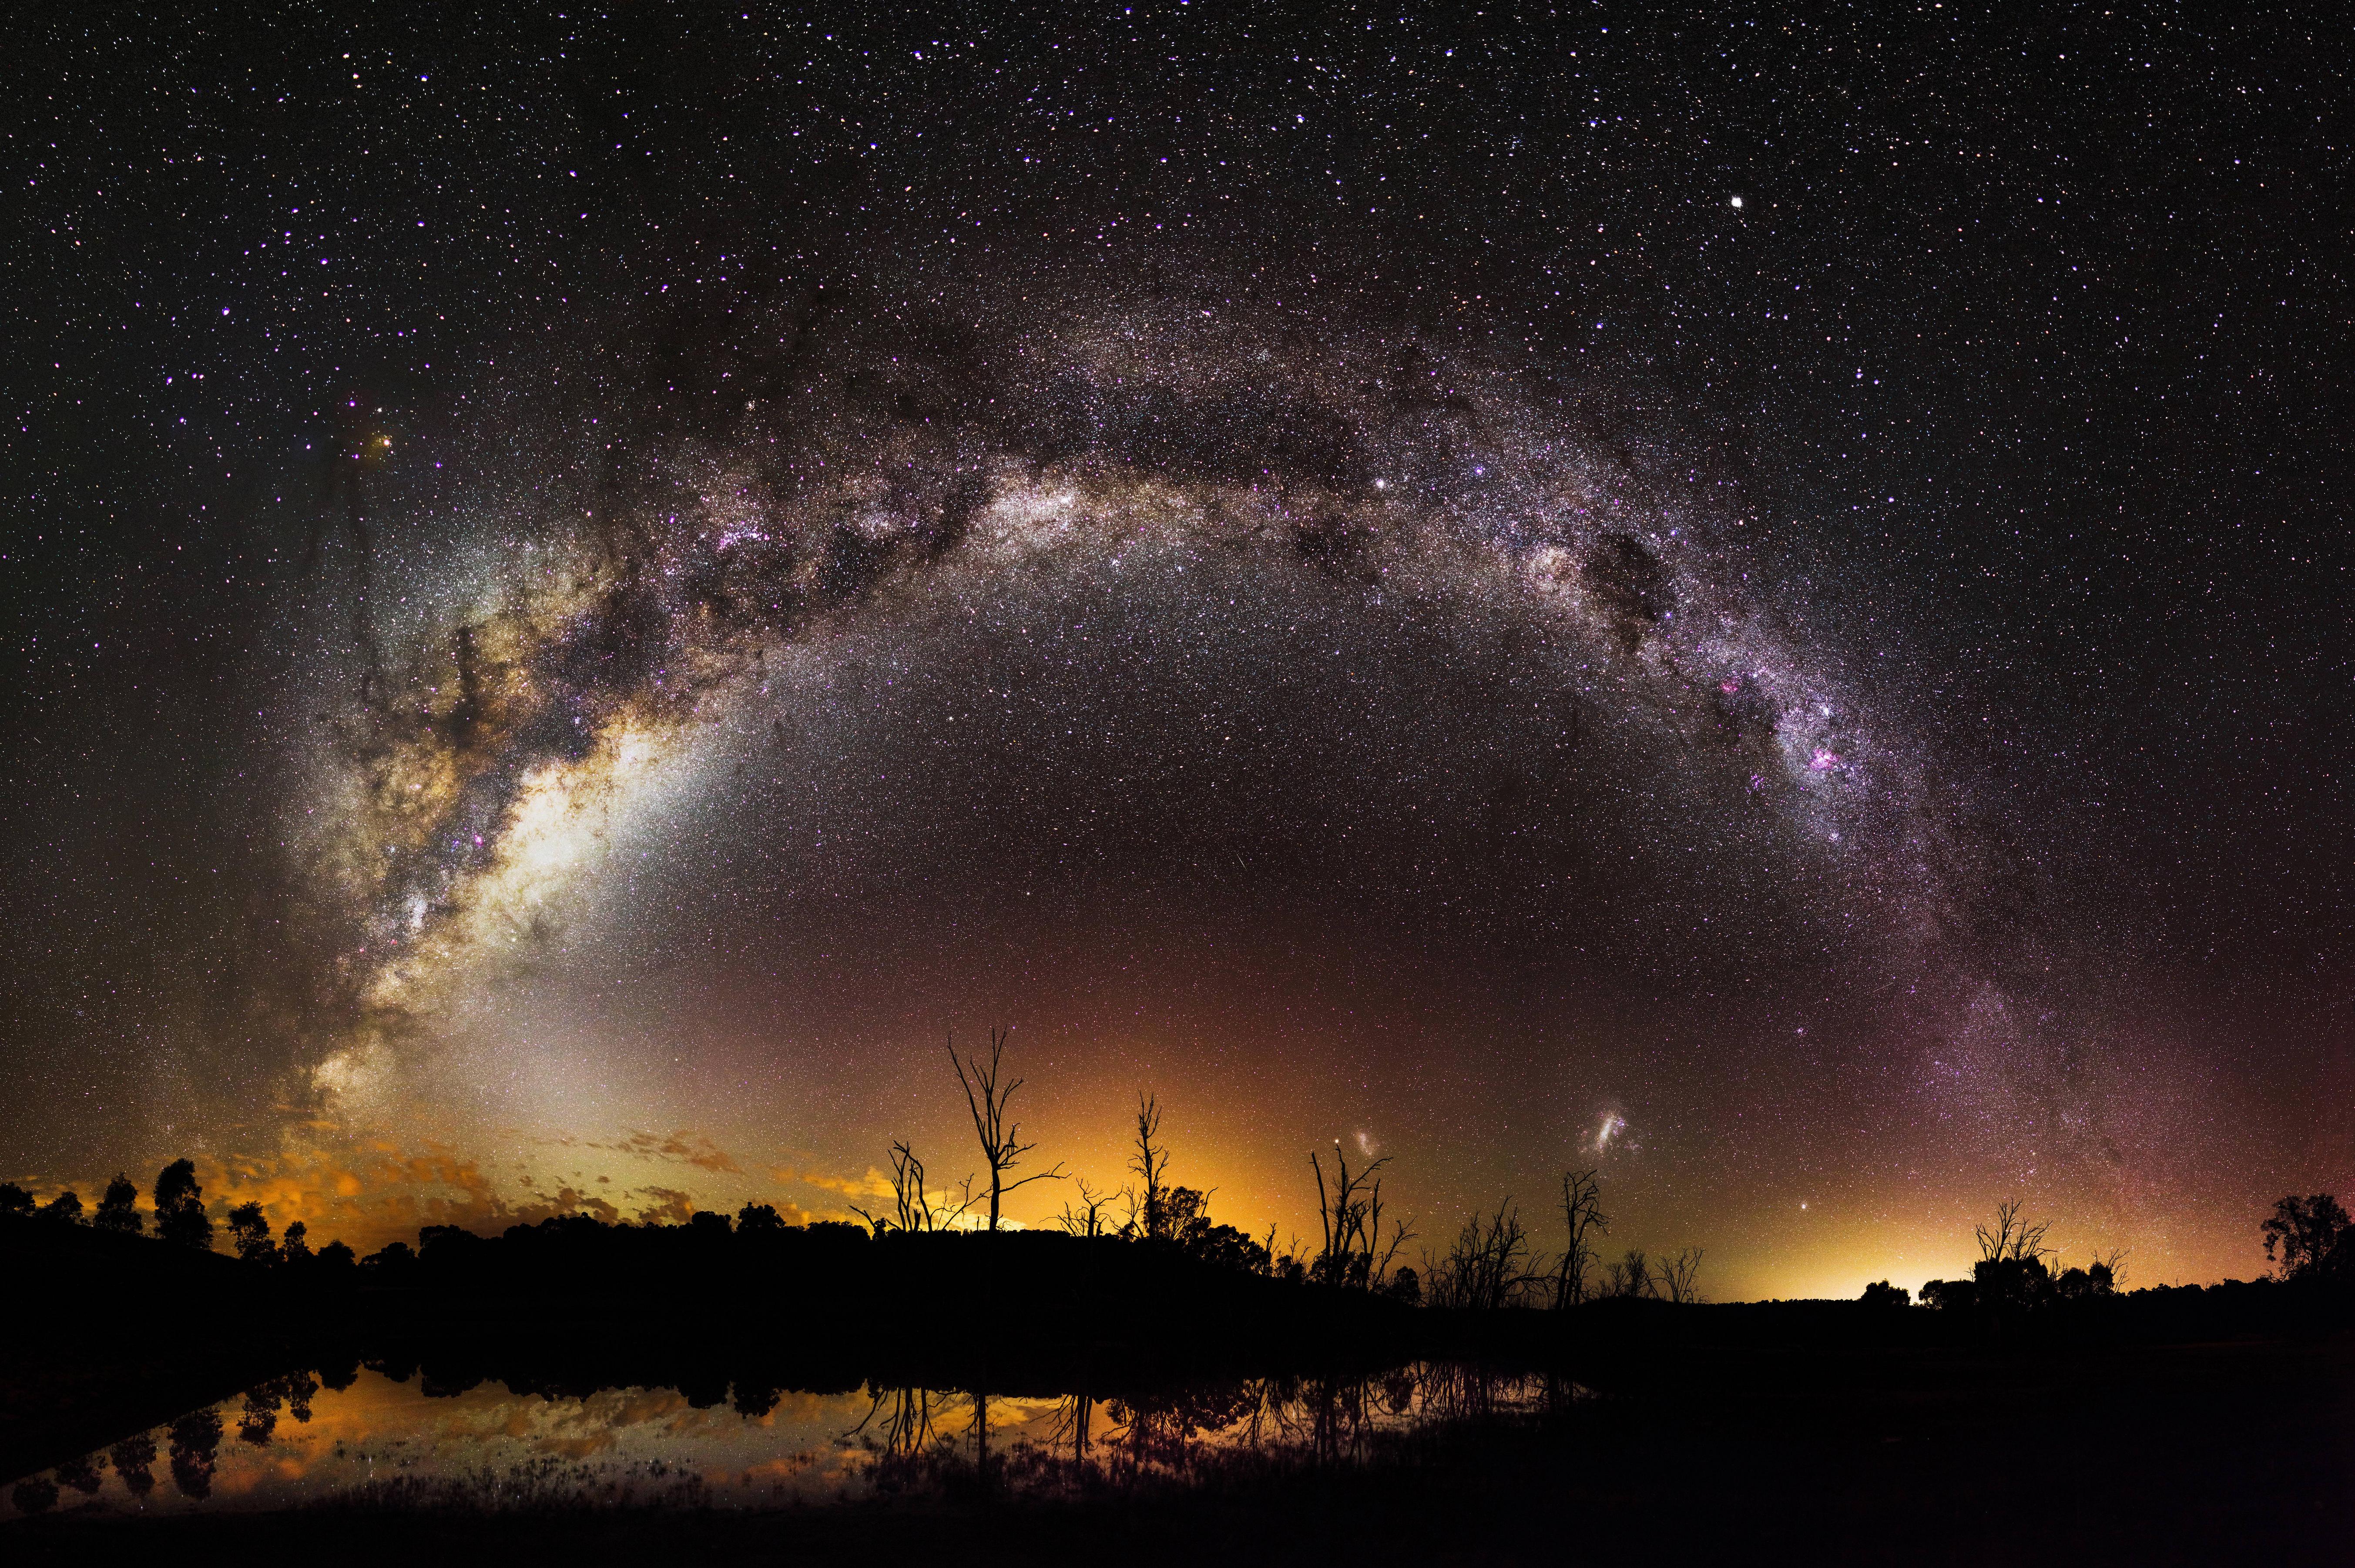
(2113, 1262)
(1086, 1218)
(1582, 1211)
(985, 1095)
(1151, 1164)
(1488, 1266)
(1349, 1213)
(913, 1207)
(1679, 1275)
(2013, 1240)
(1630, 1276)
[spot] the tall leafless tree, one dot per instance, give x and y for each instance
(985, 1095)
(1349, 1213)
(1151, 1164)
(1582, 1211)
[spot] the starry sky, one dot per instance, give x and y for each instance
(1754, 602)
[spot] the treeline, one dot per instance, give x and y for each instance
(181, 1218)
(2019, 1286)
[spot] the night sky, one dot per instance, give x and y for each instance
(1762, 605)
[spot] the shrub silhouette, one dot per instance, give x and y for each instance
(1880, 1293)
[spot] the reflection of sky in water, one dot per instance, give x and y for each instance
(387, 1442)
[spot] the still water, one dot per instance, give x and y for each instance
(377, 1442)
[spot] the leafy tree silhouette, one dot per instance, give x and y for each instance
(65, 1206)
(757, 1218)
(2309, 1238)
(1880, 1293)
(35, 1494)
(15, 1199)
(119, 1209)
(295, 1249)
(249, 1233)
(180, 1216)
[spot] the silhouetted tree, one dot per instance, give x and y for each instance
(1880, 1293)
(1679, 1275)
(35, 1494)
(1355, 1252)
(1086, 1218)
(1582, 1212)
(395, 1263)
(1406, 1287)
(2011, 1275)
(1487, 1267)
(336, 1259)
(15, 1199)
(132, 1458)
(1151, 1164)
(1949, 1294)
(65, 1207)
(2308, 1237)
(119, 1209)
(180, 1216)
(708, 1222)
(986, 1098)
(296, 1248)
(758, 1218)
(1630, 1277)
(2013, 1239)
(248, 1234)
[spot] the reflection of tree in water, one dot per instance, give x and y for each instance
(196, 1445)
(1182, 1437)
(132, 1457)
(291, 1392)
(80, 1475)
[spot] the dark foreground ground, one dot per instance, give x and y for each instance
(2218, 1453)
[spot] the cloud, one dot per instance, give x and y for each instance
(681, 1147)
(874, 1184)
(670, 1207)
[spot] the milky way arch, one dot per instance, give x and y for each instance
(651, 525)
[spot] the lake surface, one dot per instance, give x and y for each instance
(380, 1442)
